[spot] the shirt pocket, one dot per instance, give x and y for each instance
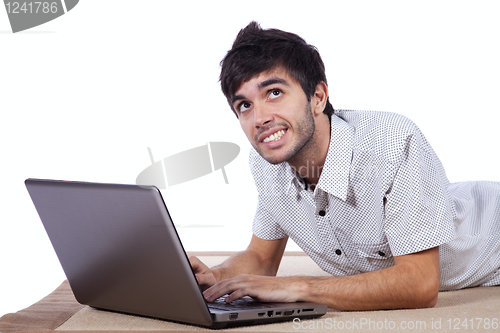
(375, 256)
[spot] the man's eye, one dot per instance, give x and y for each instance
(244, 106)
(275, 93)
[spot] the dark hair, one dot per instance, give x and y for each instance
(256, 50)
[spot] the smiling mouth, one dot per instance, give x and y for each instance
(275, 137)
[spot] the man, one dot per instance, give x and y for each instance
(362, 193)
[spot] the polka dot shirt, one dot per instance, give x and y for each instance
(382, 193)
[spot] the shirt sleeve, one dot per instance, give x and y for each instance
(418, 209)
(264, 225)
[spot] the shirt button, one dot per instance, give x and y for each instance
(322, 213)
(338, 252)
(380, 253)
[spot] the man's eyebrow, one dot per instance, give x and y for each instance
(270, 81)
(260, 86)
(236, 98)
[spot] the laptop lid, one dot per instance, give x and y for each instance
(120, 251)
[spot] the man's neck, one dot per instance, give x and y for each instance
(310, 161)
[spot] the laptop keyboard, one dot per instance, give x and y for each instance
(239, 304)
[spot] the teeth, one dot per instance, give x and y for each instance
(275, 137)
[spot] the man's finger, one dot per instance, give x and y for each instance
(228, 286)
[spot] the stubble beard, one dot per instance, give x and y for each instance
(304, 133)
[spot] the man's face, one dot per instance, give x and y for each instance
(275, 115)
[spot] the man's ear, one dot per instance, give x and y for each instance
(318, 100)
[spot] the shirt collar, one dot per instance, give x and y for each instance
(334, 177)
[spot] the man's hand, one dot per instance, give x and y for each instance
(204, 275)
(261, 288)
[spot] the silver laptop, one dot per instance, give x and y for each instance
(120, 251)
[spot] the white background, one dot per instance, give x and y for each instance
(83, 96)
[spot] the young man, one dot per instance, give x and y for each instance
(362, 193)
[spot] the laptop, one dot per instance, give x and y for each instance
(121, 252)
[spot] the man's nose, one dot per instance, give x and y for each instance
(262, 115)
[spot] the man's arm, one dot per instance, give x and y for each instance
(413, 282)
(262, 257)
